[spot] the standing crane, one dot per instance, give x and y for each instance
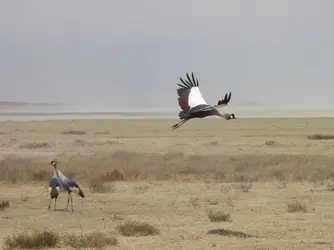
(54, 187)
(193, 104)
(67, 184)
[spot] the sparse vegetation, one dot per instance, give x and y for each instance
(35, 145)
(73, 132)
(95, 240)
(229, 201)
(36, 240)
(79, 142)
(25, 197)
(135, 228)
(271, 143)
(97, 185)
(102, 133)
(194, 201)
(296, 206)
(41, 175)
(213, 202)
(112, 142)
(213, 143)
(156, 178)
(219, 216)
(320, 137)
(3, 204)
(244, 186)
(129, 166)
(51, 239)
(330, 186)
(115, 175)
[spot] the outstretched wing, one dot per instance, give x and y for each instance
(189, 94)
(223, 102)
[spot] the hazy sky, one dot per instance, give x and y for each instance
(133, 52)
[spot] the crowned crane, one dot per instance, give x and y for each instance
(54, 187)
(193, 104)
(67, 184)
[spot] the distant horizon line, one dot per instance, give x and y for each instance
(144, 108)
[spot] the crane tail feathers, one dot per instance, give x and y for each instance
(81, 194)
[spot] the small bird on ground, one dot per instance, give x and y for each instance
(193, 104)
(54, 187)
(67, 184)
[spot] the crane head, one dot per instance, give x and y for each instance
(54, 162)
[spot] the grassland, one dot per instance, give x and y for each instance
(239, 184)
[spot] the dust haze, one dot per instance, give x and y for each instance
(128, 55)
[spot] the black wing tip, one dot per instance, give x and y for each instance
(189, 82)
(226, 99)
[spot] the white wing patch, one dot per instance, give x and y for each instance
(74, 190)
(195, 98)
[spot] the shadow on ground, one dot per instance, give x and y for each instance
(227, 232)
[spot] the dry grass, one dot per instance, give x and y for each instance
(4, 204)
(320, 137)
(271, 143)
(170, 180)
(136, 228)
(35, 145)
(73, 132)
(50, 239)
(95, 240)
(296, 206)
(219, 216)
(243, 186)
(121, 166)
(36, 240)
(97, 185)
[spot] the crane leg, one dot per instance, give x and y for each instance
(49, 204)
(179, 124)
(71, 202)
(68, 200)
(55, 204)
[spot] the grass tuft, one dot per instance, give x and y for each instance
(320, 137)
(93, 240)
(73, 132)
(35, 145)
(4, 204)
(36, 240)
(135, 228)
(271, 143)
(96, 185)
(296, 206)
(219, 216)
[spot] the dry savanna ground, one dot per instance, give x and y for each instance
(212, 184)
